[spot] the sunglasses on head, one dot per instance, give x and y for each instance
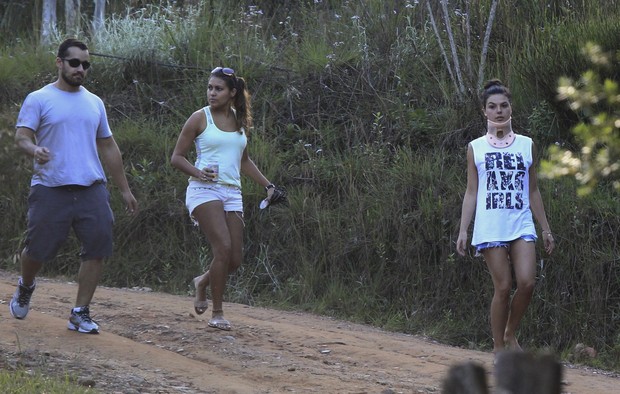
(224, 70)
(75, 63)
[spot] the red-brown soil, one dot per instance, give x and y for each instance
(154, 343)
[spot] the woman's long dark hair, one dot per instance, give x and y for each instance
(242, 102)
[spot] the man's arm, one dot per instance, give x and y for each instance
(25, 141)
(113, 161)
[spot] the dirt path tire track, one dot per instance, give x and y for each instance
(153, 343)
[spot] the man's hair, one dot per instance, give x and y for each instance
(68, 43)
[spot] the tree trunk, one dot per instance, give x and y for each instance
(485, 44)
(48, 21)
(441, 48)
(455, 55)
(98, 16)
(72, 17)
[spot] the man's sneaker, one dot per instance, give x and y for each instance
(80, 321)
(20, 303)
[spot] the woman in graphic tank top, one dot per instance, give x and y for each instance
(502, 195)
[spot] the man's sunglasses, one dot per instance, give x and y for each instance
(224, 70)
(75, 63)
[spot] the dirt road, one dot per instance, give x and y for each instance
(153, 343)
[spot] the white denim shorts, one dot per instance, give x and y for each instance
(201, 192)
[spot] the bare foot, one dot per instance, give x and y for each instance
(512, 343)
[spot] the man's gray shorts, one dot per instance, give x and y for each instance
(53, 211)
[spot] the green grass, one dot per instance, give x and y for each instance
(29, 382)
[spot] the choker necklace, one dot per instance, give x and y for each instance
(494, 127)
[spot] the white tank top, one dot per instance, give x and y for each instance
(222, 147)
(503, 201)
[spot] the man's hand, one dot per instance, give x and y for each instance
(131, 204)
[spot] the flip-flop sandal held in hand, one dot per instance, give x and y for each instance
(220, 323)
(200, 306)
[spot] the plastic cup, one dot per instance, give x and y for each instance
(215, 169)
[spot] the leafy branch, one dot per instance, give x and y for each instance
(598, 101)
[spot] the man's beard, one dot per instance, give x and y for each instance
(70, 81)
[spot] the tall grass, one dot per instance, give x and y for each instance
(356, 117)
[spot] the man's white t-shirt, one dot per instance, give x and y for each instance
(69, 124)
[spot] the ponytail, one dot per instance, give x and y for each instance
(243, 106)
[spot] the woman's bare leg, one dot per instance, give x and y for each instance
(499, 268)
(224, 231)
(523, 257)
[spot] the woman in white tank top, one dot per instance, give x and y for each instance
(502, 192)
(213, 196)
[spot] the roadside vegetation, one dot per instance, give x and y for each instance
(361, 117)
(28, 382)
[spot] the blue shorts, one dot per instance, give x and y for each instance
(53, 211)
(202, 192)
(501, 244)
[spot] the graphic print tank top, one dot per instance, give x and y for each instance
(503, 201)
